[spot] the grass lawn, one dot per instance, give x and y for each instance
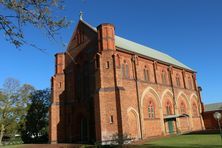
(182, 141)
(189, 141)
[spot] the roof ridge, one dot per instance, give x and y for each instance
(143, 50)
(214, 103)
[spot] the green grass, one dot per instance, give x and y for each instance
(189, 141)
(182, 141)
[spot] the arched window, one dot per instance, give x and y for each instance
(151, 110)
(194, 108)
(146, 74)
(163, 75)
(182, 108)
(125, 70)
(190, 86)
(168, 108)
(178, 80)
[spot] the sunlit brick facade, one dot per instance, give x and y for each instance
(100, 90)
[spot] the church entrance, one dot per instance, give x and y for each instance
(84, 130)
(170, 127)
(170, 124)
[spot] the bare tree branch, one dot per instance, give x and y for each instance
(38, 13)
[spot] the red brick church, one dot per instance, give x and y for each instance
(105, 85)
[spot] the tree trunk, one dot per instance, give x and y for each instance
(2, 133)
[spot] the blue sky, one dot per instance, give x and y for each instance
(188, 30)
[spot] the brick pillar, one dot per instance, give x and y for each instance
(57, 84)
(107, 103)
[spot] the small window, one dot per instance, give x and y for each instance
(168, 108)
(107, 65)
(127, 71)
(164, 80)
(60, 84)
(123, 70)
(178, 80)
(111, 119)
(146, 74)
(151, 111)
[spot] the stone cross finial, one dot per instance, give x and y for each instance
(81, 15)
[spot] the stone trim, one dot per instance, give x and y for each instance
(110, 89)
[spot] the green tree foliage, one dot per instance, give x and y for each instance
(14, 100)
(36, 125)
(15, 14)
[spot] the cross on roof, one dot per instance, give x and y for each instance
(81, 15)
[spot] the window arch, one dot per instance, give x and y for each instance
(163, 75)
(195, 111)
(178, 80)
(168, 108)
(146, 74)
(125, 70)
(151, 110)
(182, 108)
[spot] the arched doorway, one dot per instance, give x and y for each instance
(133, 124)
(84, 130)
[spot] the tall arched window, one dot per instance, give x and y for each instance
(125, 70)
(168, 108)
(163, 75)
(194, 108)
(190, 86)
(151, 110)
(182, 108)
(146, 74)
(178, 80)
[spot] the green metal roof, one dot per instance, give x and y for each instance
(213, 107)
(146, 51)
(143, 50)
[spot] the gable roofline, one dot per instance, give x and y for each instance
(133, 47)
(73, 34)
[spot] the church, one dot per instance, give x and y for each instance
(106, 86)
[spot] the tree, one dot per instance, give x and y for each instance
(38, 13)
(36, 125)
(13, 103)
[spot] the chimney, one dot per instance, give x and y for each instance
(106, 37)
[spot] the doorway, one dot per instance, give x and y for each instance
(170, 127)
